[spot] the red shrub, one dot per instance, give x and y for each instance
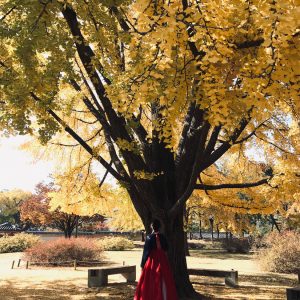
(63, 250)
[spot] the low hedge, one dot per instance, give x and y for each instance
(17, 243)
(236, 245)
(115, 243)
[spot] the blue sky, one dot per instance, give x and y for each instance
(17, 168)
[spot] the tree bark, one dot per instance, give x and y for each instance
(211, 221)
(186, 220)
(186, 244)
(76, 228)
(176, 236)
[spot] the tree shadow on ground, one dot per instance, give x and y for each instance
(256, 286)
(251, 286)
(220, 254)
(65, 290)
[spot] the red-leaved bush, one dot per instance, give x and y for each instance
(282, 252)
(64, 250)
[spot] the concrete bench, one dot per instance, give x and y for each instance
(99, 277)
(231, 277)
(293, 293)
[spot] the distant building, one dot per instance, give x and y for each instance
(8, 229)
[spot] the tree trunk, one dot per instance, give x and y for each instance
(143, 235)
(218, 232)
(69, 230)
(176, 238)
(200, 230)
(76, 228)
(211, 221)
(186, 244)
(70, 233)
(274, 223)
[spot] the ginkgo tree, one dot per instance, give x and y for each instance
(10, 202)
(81, 195)
(157, 92)
(233, 208)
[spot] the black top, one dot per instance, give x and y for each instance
(150, 244)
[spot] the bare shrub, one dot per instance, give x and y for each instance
(282, 253)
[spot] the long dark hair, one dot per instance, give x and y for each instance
(155, 224)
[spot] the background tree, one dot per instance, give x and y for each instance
(81, 196)
(36, 210)
(10, 202)
(157, 92)
(244, 209)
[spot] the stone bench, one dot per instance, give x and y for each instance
(99, 277)
(293, 293)
(231, 277)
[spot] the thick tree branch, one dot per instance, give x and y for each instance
(248, 136)
(208, 187)
(212, 141)
(9, 11)
(105, 175)
(250, 44)
(184, 133)
(133, 160)
(69, 130)
(225, 146)
(108, 134)
(120, 19)
(194, 172)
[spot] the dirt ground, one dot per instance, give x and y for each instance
(67, 283)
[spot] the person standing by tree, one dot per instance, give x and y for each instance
(156, 281)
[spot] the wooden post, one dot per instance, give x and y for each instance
(19, 262)
(75, 264)
(293, 293)
(123, 263)
(27, 264)
(12, 265)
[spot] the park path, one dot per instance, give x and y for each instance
(38, 276)
(68, 284)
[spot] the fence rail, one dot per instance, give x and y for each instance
(75, 263)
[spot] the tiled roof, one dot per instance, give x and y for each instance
(8, 227)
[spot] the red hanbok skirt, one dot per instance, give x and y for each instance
(156, 281)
